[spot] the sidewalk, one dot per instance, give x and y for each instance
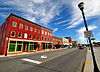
(88, 66)
(26, 53)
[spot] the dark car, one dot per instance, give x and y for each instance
(81, 47)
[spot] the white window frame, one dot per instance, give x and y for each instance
(31, 28)
(18, 35)
(26, 27)
(14, 34)
(14, 24)
(20, 26)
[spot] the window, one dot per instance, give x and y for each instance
(50, 34)
(45, 33)
(42, 32)
(42, 38)
(19, 34)
(38, 30)
(19, 47)
(14, 23)
(21, 26)
(26, 27)
(38, 37)
(25, 35)
(34, 29)
(13, 33)
(12, 48)
(30, 36)
(34, 37)
(31, 29)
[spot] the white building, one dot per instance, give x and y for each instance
(65, 41)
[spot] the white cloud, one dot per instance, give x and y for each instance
(57, 23)
(39, 1)
(91, 9)
(43, 11)
(81, 32)
(55, 30)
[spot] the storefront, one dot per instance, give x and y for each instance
(25, 46)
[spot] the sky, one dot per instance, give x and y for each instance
(61, 16)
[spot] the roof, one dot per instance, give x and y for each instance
(28, 21)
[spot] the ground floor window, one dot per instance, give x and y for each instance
(19, 47)
(31, 47)
(12, 48)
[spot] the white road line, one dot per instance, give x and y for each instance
(32, 61)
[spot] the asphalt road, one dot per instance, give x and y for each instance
(65, 60)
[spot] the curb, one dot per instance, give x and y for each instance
(88, 64)
(26, 53)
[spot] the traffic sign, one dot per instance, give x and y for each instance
(88, 34)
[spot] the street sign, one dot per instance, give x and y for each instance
(88, 34)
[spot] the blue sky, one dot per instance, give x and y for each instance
(62, 16)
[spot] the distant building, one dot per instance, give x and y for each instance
(57, 42)
(69, 40)
(19, 35)
(65, 41)
(75, 43)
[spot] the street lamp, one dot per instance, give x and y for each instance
(7, 45)
(81, 7)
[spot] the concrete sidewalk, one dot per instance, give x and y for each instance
(97, 56)
(88, 66)
(31, 52)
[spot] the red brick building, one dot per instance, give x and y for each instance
(57, 42)
(19, 35)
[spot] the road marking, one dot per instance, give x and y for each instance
(43, 56)
(53, 58)
(32, 61)
(85, 65)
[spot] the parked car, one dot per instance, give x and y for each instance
(81, 47)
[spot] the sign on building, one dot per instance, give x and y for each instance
(88, 34)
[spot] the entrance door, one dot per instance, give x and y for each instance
(25, 46)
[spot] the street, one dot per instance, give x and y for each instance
(64, 60)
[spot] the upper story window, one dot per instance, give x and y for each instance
(31, 29)
(42, 32)
(42, 38)
(21, 26)
(20, 34)
(26, 27)
(25, 35)
(45, 33)
(13, 33)
(34, 29)
(30, 36)
(38, 30)
(34, 37)
(14, 23)
(38, 37)
(50, 34)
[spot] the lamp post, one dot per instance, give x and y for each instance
(7, 45)
(81, 7)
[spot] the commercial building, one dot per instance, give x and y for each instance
(65, 41)
(57, 42)
(18, 35)
(69, 40)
